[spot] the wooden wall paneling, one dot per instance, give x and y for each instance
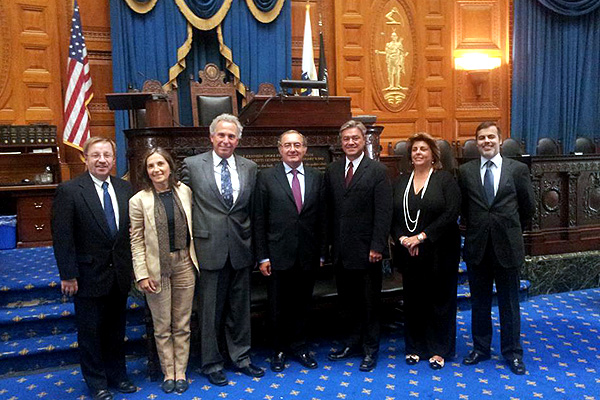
(30, 79)
(482, 25)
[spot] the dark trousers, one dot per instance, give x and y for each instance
(481, 279)
(359, 292)
(290, 296)
(224, 306)
(100, 335)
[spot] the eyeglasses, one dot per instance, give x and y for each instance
(296, 145)
(96, 156)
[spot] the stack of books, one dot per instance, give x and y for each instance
(27, 134)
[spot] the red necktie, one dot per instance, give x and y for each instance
(296, 190)
(349, 174)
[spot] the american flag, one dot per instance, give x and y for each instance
(79, 90)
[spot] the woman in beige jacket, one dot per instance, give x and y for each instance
(164, 261)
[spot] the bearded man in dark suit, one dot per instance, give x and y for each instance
(359, 197)
(90, 232)
(289, 225)
(497, 202)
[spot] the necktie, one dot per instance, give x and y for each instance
(488, 182)
(296, 190)
(109, 211)
(226, 187)
(349, 174)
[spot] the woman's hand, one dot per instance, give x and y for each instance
(412, 243)
(148, 285)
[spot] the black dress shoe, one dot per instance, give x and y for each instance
(181, 385)
(168, 386)
(306, 360)
(252, 371)
(125, 387)
(218, 378)
(342, 354)
(278, 362)
(475, 358)
(102, 394)
(517, 366)
(368, 362)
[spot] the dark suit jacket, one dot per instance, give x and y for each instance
(281, 234)
(361, 214)
(83, 246)
(220, 232)
(512, 207)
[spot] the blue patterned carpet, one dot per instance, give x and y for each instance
(561, 339)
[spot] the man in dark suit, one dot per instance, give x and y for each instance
(497, 201)
(90, 231)
(359, 198)
(289, 226)
(222, 184)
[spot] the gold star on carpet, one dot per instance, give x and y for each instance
(299, 381)
(223, 395)
(483, 381)
(414, 383)
(366, 391)
(461, 385)
(531, 383)
(347, 373)
(31, 387)
(341, 396)
(507, 387)
(274, 385)
(488, 392)
(463, 397)
(438, 389)
(344, 384)
(294, 392)
(324, 377)
(414, 394)
(390, 387)
(320, 388)
(393, 376)
(249, 390)
(206, 387)
(367, 379)
(460, 374)
(436, 378)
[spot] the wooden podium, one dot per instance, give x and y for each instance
(300, 111)
(145, 109)
(265, 118)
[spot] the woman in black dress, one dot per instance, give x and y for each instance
(425, 232)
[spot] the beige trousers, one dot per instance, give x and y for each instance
(171, 310)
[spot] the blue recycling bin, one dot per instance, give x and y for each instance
(8, 232)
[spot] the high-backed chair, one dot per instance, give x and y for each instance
(212, 96)
(584, 145)
(401, 150)
(511, 148)
(469, 149)
(547, 147)
(446, 155)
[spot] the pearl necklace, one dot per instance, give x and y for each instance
(407, 217)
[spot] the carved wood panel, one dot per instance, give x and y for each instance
(29, 74)
(432, 96)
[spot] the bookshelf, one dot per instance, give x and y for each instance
(29, 174)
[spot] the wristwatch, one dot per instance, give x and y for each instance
(421, 237)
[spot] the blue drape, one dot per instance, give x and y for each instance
(571, 7)
(262, 51)
(205, 49)
(144, 47)
(264, 5)
(556, 70)
(204, 8)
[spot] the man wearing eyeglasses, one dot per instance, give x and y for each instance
(289, 227)
(90, 232)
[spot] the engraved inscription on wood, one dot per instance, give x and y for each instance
(393, 60)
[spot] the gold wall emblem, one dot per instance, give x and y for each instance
(393, 60)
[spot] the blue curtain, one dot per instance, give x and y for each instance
(144, 47)
(556, 70)
(205, 49)
(265, 5)
(571, 7)
(204, 8)
(262, 51)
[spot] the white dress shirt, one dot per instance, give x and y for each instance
(355, 164)
(235, 179)
(290, 176)
(496, 170)
(113, 196)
